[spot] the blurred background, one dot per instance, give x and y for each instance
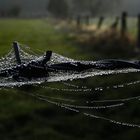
(35, 8)
(82, 30)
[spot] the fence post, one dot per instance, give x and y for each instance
(138, 32)
(115, 23)
(124, 23)
(101, 19)
(87, 20)
(16, 49)
(78, 21)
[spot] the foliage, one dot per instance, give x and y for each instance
(15, 11)
(94, 7)
(58, 9)
(108, 44)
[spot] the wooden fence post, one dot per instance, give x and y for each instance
(87, 20)
(16, 49)
(115, 23)
(78, 21)
(124, 23)
(101, 20)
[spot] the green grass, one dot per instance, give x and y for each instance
(22, 116)
(16, 107)
(25, 117)
(37, 34)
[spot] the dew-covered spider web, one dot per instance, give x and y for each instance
(92, 102)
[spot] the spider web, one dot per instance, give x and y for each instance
(88, 108)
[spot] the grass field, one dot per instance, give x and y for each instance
(23, 117)
(37, 34)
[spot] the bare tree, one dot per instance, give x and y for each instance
(58, 9)
(94, 7)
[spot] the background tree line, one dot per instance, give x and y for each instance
(58, 8)
(66, 8)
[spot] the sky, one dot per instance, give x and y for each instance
(132, 6)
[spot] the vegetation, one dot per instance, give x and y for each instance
(25, 117)
(15, 11)
(37, 34)
(94, 7)
(69, 8)
(58, 9)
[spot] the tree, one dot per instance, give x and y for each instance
(15, 11)
(94, 7)
(58, 8)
